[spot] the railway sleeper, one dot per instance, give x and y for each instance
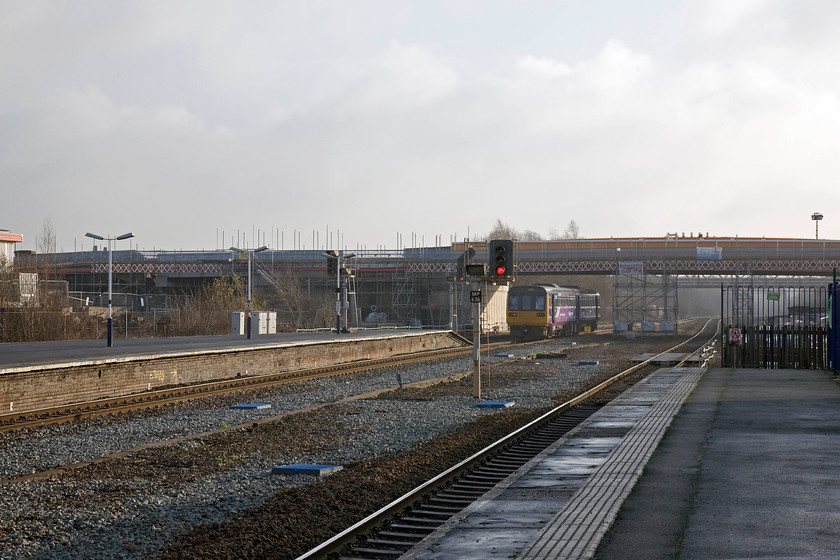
(455, 503)
(449, 502)
(369, 553)
(532, 450)
(412, 537)
(431, 514)
(455, 494)
(472, 486)
(492, 469)
(444, 507)
(479, 488)
(421, 521)
(508, 464)
(519, 454)
(482, 478)
(490, 472)
(547, 438)
(412, 528)
(391, 543)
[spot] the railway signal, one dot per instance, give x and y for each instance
(500, 259)
(476, 271)
(332, 263)
(461, 264)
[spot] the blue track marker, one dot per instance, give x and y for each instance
(304, 468)
(496, 404)
(252, 405)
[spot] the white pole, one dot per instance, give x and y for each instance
(110, 295)
(248, 305)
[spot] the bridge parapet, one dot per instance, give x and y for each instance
(686, 266)
(678, 255)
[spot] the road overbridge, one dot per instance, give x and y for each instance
(416, 283)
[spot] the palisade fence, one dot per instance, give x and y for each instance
(785, 327)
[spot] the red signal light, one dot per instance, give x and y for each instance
(500, 259)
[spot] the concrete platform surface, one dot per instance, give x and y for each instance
(749, 469)
(691, 464)
(561, 502)
(13, 354)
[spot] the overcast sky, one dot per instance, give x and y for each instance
(378, 123)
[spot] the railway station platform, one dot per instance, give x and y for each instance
(18, 354)
(37, 375)
(692, 463)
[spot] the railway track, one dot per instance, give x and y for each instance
(14, 421)
(127, 472)
(150, 399)
(400, 525)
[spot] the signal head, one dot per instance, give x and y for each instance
(501, 258)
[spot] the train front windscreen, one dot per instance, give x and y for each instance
(529, 301)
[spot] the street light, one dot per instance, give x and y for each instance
(248, 302)
(338, 256)
(816, 216)
(110, 277)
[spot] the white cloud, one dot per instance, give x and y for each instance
(722, 16)
(617, 69)
(544, 67)
(84, 113)
(378, 117)
(404, 77)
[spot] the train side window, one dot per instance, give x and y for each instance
(540, 304)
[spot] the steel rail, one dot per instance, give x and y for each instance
(148, 399)
(341, 540)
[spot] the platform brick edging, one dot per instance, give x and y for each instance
(34, 387)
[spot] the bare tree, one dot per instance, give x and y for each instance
(45, 240)
(45, 244)
(529, 235)
(291, 298)
(501, 231)
(572, 231)
(209, 310)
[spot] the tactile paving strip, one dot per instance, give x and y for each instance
(574, 533)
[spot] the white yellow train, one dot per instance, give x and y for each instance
(548, 310)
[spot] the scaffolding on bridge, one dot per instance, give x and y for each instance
(644, 302)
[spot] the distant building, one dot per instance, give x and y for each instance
(7, 245)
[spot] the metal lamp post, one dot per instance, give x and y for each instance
(816, 216)
(110, 277)
(248, 302)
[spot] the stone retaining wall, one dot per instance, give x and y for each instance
(35, 387)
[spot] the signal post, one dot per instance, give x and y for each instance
(498, 268)
(476, 273)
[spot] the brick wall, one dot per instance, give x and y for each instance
(31, 388)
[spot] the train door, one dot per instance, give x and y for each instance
(550, 329)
